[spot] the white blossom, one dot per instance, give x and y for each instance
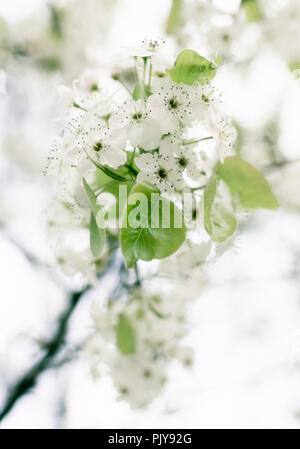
(157, 171)
(159, 322)
(133, 120)
(148, 47)
(171, 104)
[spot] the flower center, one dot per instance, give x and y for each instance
(137, 116)
(124, 391)
(205, 99)
(173, 103)
(160, 75)
(162, 173)
(182, 162)
(98, 146)
(94, 87)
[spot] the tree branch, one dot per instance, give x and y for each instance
(51, 349)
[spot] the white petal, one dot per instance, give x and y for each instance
(66, 97)
(113, 157)
(146, 135)
(169, 123)
(146, 163)
(156, 106)
(118, 120)
(148, 177)
(169, 145)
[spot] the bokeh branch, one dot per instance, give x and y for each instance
(51, 349)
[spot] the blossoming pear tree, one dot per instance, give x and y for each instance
(146, 172)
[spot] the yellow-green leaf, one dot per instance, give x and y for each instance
(145, 234)
(247, 185)
(174, 19)
(252, 10)
(97, 237)
(140, 92)
(125, 335)
(92, 197)
(191, 67)
(209, 198)
(223, 223)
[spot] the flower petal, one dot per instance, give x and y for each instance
(147, 163)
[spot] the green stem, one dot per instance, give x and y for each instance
(136, 70)
(76, 105)
(131, 170)
(138, 281)
(132, 157)
(150, 74)
(195, 189)
(144, 70)
(123, 84)
(191, 142)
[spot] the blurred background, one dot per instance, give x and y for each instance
(245, 326)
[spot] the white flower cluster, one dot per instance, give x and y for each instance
(56, 39)
(213, 28)
(236, 31)
(172, 136)
(280, 29)
(159, 323)
(38, 52)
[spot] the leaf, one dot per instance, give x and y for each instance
(145, 234)
(219, 222)
(92, 198)
(223, 223)
(141, 92)
(97, 237)
(114, 189)
(102, 178)
(174, 19)
(111, 173)
(247, 185)
(295, 66)
(125, 334)
(191, 67)
(252, 9)
(209, 198)
(105, 184)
